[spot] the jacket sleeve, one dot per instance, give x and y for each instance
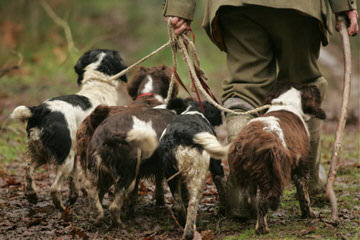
(180, 8)
(342, 5)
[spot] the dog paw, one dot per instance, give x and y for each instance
(31, 197)
(56, 197)
(72, 198)
(262, 230)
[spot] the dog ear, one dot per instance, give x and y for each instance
(98, 115)
(133, 85)
(311, 101)
(277, 88)
(112, 64)
(178, 104)
(212, 113)
(80, 65)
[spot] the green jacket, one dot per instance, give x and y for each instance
(319, 9)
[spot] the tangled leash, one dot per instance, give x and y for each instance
(189, 55)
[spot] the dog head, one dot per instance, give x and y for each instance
(309, 97)
(212, 113)
(105, 61)
(311, 101)
(152, 80)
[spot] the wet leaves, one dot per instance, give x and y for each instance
(306, 231)
(21, 220)
(11, 182)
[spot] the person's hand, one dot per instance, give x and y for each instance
(180, 25)
(352, 20)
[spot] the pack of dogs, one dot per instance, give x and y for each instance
(98, 141)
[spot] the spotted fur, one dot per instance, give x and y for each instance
(52, 125)
(274, 148)
(188, 149)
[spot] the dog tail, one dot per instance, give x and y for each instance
(22, 113)
(210, 143)
(98, 115)
(145, 139)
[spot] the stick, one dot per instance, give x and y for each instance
(342, 120)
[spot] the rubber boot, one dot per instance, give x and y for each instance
(238, 203)
(318, 176)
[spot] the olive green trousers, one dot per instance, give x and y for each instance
(264, 45)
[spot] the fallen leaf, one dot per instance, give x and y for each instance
(34, 222)
(307, 231)
(197, 236)
(207, 235)
(11, 181)
(79, 232)
(66, 215)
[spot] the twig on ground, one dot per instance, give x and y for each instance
(6, 70)
(173, 216)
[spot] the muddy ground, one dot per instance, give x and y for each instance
(22, 220)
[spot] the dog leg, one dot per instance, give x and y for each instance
(195, 185)
(121, 194)
(93, 195)
(179, 208)
(30, 188)
(36, 156)
(63, 171)
(301, 183)
(131, 201)
(262, 209)
(74, 182)
(159, 190)
(219, 179)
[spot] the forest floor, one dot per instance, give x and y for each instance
(22, 220)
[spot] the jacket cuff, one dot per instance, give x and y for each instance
(180, 8)
(342, 5)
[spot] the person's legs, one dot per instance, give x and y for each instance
(252, 67)
(297, 49)
(259, 41)
(318, 175)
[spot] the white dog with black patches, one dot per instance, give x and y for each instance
(188, 149)
(52, 125)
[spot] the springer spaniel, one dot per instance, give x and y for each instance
(188, 148)
(108, 141)
(274, 148)
(52, 125)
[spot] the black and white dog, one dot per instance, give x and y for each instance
(52, 125)
(188, 148)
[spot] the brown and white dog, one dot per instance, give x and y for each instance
(109, 140)
(51, 126)
(274, 148)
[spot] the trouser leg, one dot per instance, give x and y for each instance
(252, 69)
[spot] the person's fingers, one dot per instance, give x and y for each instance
(174, 20)
(180, 22)
(353, 27)
(180, 29)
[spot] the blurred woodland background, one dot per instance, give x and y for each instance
(41, 41)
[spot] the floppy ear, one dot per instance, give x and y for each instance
(277, 89)
(133, 85)
(212, 113)
(98, 115)
(112, 64)
(178, 104)
(311, 101)
(80, 65)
